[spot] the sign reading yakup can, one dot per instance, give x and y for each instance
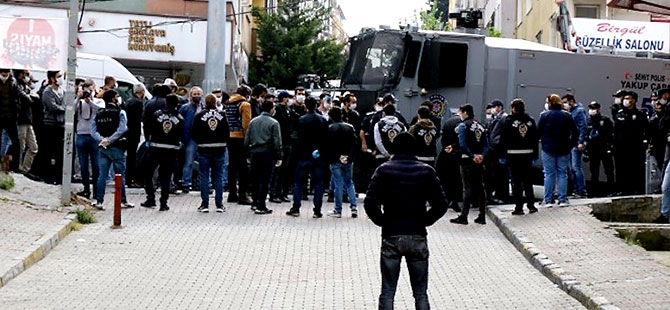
(621, 35)
(33, 43)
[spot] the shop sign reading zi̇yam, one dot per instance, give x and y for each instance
(143, 37)
(622, 35)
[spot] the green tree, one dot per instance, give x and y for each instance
(289, 45)
(434, 19)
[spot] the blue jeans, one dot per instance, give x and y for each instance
(111, 157)
(341, 176)
(665, 199)
(578, 170)
(224, 168)
(555, 167)
(213, 162)
(190, 150)
(87, 149)
(5, 142)
(303, 168)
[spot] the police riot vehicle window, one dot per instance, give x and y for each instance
(375, 59)
(412, 59)
(443, 64)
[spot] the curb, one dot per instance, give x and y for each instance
(38, 249)
(568, 283)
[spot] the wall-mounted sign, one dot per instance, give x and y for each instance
(33, 43)
(622, 35)
(142, 36)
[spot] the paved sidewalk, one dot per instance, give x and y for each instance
(626, 275)
(182, 259)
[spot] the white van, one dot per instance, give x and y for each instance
(96, 67)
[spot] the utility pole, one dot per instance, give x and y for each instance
(215, 55)
(68, 139)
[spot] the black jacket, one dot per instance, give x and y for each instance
(402, 186)
(134, 109)
(210, 131)
(14, 97)
(150, 107)
(284, 115)
(557, 131)
(599, 135)
(341, 142)
(25, 115)
(518, 136)
(166, 129)
(312, 130)
(425, 133)
(450, 136)
(436, 121)
(630, 130)
(353, 118)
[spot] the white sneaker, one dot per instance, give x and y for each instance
(98, 205)
(562, 204)
(334, 214)
(127, 205)
(547, 204)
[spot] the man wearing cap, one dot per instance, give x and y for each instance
(497, 175)
(599, 146)
(618, 100)
(630, 137)
(396, 201)
(281, 182)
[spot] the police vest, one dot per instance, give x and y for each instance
(107, 122)
(425, 138)
(475, 134)
(389, 130)
(234, 117)
(168, 130)
(519, 143)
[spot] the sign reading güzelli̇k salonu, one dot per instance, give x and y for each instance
(622, 35)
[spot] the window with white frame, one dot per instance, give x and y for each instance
(587, 11)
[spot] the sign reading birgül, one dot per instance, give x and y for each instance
(142, 37)
(33, 43)
(622, 35)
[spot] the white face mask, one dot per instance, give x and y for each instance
(378, 108)
(489, 116)
(546, 106)
(60, 81)
(353, 106)
(461, 117)
(566, 106)
(617, 100)
(218, 101)
(663, 101)
(119, 100)
(4, 78)
(26, 79)
(300, 98)
(626, 103)
(593, 112)
(327, 106)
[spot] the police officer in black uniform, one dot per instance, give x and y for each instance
(617, 104)
(518, 148)
(598, 149)
(630, 134)
(368, 147)
(474, 145)
(166, 128)
(448, 163)
(425, 133)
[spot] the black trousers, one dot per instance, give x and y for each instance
(10, 125)
(474, 194)
(238, 171)
(415, 250)
(51, 158)
(132, 175)
(261, 172)
(630, 172)
(497, 178)
(164, 160)
(281, 182)
(449, 172)
(596, 159)
(521, 170)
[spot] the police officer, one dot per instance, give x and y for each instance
(425, 133)
(630, 133)
(473, 143)
(518, 148)
(108, 129)
(599, 145)
(389, 99)
(166, 129)
(497, 175)
(211, 133)
(386, 130)
(368, 147)
(448, 163)
(617, 104)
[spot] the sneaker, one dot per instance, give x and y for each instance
(253, 207)
(244, 200)
(127, 205)
(661, 220)
(203, 209)
(285, 199)
(518, 212)
(532, 209)
(460, 220)
(185, 189)
(548, 204)
(276, 200)
(562, 204)
(98, 205)
(354, 212)
(293, 212)
(335, 214)
(85, 194)
(220, 209)
(149, 204)
(317, 215)
(481, 220)
(580, 195)
(263, 211)
(164, 208)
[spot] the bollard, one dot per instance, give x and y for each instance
(117, 201)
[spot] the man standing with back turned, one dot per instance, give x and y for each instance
(402, 186)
